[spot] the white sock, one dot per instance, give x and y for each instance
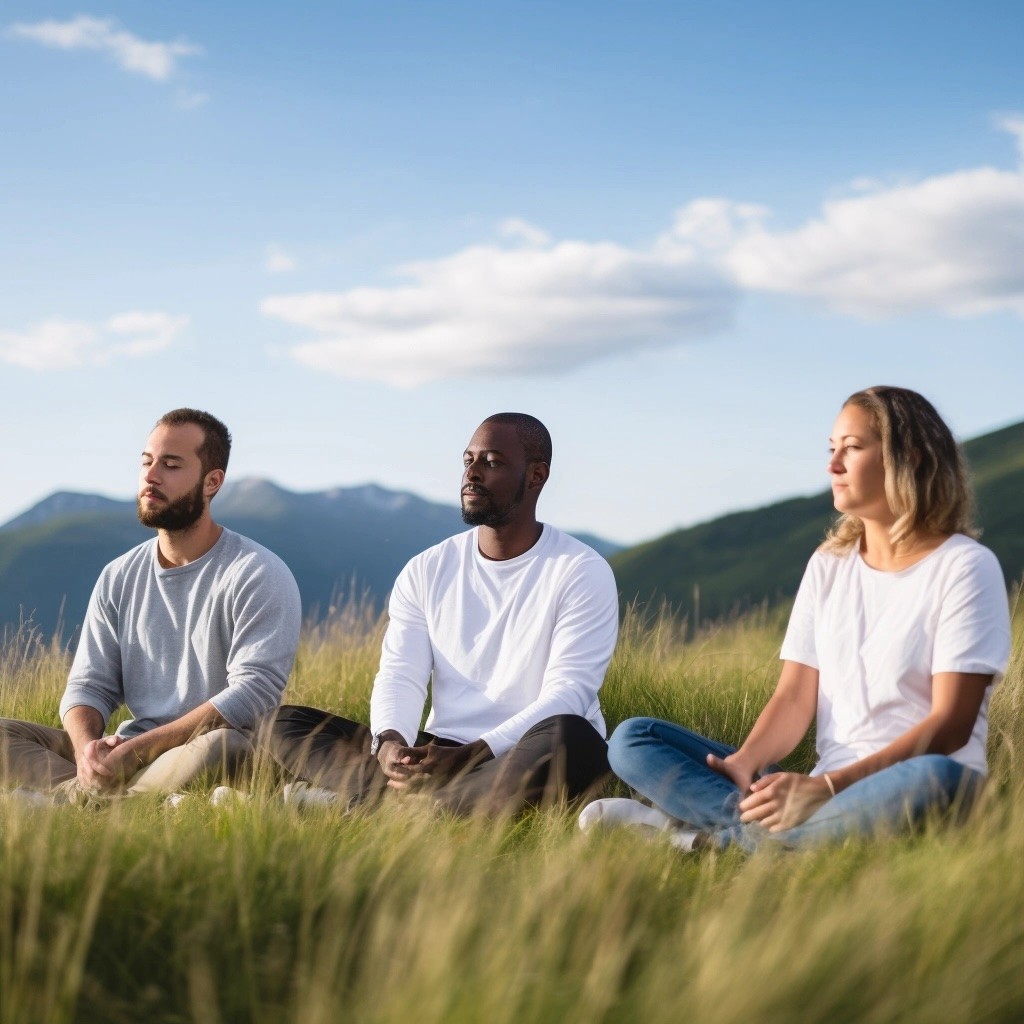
(617, 812)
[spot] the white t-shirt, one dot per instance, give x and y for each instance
(509, 643)
(877, 638)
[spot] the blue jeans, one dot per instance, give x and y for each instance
(667, 764)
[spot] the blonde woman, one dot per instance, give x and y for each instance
(899, 632)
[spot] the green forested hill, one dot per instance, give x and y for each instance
(742, 559)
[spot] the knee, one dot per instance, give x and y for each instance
(631, 731)
(224, 738)
(570, 731)
(570, 727)
(940, 773)
(624, 741)
(291, 719)
(289, 713)
(15, 729)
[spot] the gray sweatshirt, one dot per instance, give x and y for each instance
(223, 628)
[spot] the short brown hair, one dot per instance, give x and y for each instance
(216, 447)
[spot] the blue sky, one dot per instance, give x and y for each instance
(352, 231)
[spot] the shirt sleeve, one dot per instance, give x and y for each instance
(267, 614)
(582, 643)
(973, 633)
(406, 661)
(95, 679)
(799, 643)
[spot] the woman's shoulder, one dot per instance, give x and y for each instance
(829, 561)
(826, 568)
(964, 554)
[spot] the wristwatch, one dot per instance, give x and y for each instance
(375, 744)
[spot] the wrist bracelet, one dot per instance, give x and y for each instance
(828, 782)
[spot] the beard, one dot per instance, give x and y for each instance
(181, 514)
(492, 514)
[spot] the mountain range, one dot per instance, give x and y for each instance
(340, 542)
(355, 541)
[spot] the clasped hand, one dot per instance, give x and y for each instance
(776, 801)
(103, 766)
(410, 768)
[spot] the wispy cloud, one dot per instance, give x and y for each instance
(951, 243)
(154, 60)
(186, 99)
(1013, 124)
(59, 344)
(488, 309)
(517, 229)
(277, 261)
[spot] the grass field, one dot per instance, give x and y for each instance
(255, 912)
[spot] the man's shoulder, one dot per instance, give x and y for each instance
(572, 550)
(453, 546)
(568, 544)
(245, 553)
(138, 557)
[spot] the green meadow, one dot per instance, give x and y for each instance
(258, 912)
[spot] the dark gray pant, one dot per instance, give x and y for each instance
(561, 758)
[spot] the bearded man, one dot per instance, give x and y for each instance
(194, 632)
(512, 624)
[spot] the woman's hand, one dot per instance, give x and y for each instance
(733, 768)
(783, 799)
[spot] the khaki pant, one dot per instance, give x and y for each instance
(42, 758)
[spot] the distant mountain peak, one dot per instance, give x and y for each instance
(251, 485)
(378, 497)
(62, 503)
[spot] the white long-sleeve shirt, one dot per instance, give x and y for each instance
(504, 644)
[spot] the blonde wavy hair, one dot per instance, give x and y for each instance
(926, 479)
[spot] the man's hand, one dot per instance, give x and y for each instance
(783, 800)
(98, 770)
(733, 768)
(395, 757)
(433, 764)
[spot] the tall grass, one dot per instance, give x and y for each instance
(258, 913)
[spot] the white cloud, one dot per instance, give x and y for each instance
(185, 99)
(951, 243)
(488, 309)
(277, 261)
(1013, 124)
(155, 60)
(710, 225)
(58, 344)
(866, 184)
(516, 229)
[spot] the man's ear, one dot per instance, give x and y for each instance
(538, 475)
(213, 481)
